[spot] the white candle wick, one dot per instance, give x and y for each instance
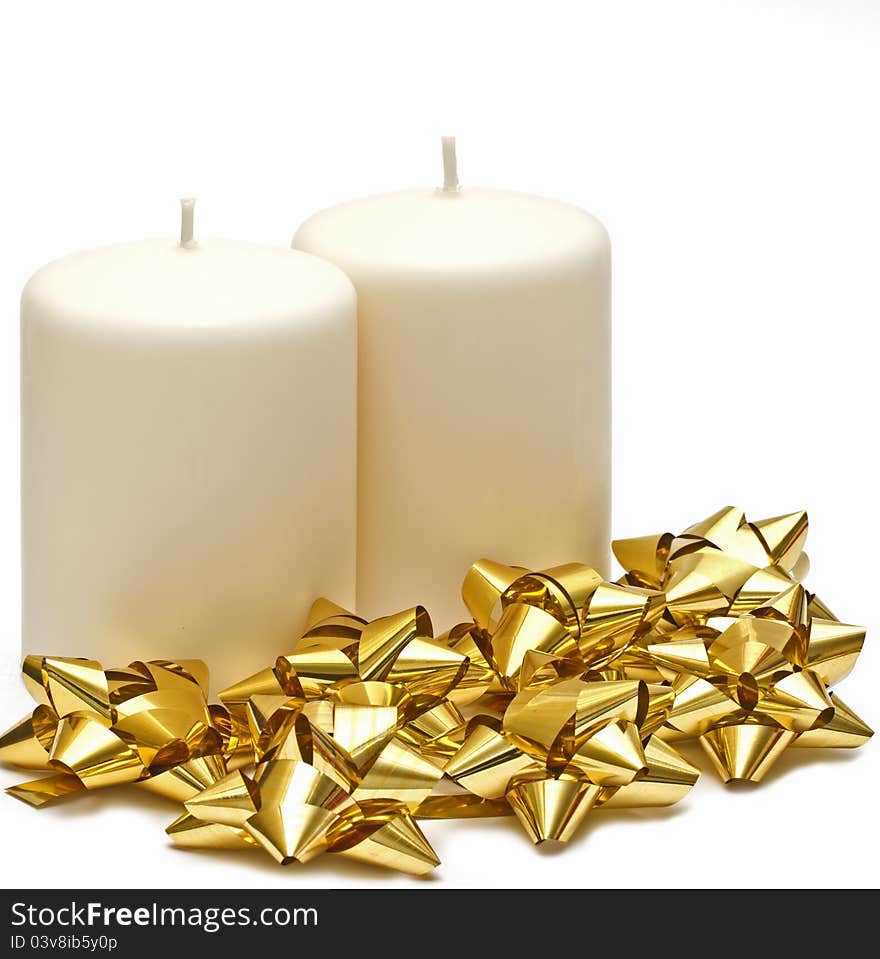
(187, 209)
(450, 165)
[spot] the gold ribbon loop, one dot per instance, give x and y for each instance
(534, 629)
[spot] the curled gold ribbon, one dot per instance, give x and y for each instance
(533, 629)
(562, 694)
(561, 750)
(148, 723)
(348, 734)
(572, 734)
(750, 654)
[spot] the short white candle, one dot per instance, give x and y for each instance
(188, 450)
(484, 325)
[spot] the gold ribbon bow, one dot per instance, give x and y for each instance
(341, 774)
(541, 646)
(348, 734)
(95, 728)
(721, 566)
(563, 749)
(748, 651)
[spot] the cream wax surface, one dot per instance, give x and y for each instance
(188, 451)
(484, 386)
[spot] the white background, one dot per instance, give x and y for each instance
(731, 148)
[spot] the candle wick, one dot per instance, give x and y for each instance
(450, 165)
(187, 209)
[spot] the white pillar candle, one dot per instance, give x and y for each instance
(188, 451)
(484, 342)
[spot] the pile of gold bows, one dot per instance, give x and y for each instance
(564, 693)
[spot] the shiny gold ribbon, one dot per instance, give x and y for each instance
(349, 734)
(561, 750)
(146, 724)
(562, 694)
(750, 654)
(533, 629)
(338, 775)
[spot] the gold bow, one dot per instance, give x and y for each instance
(341, 774)
(348, 734)
(95, 729)
(558, 736)
(721, 566)
(563, 749)
(748, 651)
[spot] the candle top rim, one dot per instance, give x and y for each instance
(156, 283)
(474, 229)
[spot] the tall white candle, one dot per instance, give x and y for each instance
(484, 326)
(188, 450)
